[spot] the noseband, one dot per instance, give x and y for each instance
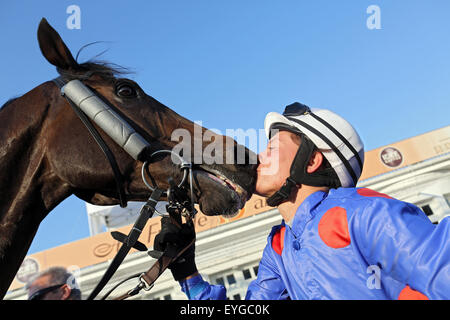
(88, 106)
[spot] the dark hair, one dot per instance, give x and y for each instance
(106, 70)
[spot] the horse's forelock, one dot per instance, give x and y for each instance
(106, 70)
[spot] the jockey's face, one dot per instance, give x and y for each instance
(275, 163)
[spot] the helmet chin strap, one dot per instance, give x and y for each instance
(299, 163)
(283, 194)
(299, 175)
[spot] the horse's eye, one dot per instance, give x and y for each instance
(125, 90)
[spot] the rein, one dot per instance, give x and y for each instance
(87, 105)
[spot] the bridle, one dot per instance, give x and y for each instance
(88, 106)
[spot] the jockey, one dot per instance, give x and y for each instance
(335, 241)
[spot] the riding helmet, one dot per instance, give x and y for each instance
(327, 132)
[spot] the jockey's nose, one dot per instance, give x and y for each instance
(262, 158)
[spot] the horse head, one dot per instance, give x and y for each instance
(221, 187)
(47, 154)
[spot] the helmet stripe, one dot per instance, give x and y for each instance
(340, 136)
(331, 145)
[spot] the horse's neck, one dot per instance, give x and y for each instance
(21, 153)
(28, 190)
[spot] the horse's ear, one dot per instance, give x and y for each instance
(53, 48)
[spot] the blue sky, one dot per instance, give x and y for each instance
(228, 63)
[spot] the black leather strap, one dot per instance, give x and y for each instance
(146, 213)
(157, 269)
(299, 175)
(101, 143)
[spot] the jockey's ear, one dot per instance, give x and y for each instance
(315, 162)
(53, 48)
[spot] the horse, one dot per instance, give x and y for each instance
(46, 153)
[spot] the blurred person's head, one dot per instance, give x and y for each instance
(55, 283)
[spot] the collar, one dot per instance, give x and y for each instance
(306, 211)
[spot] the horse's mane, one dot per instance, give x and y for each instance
(107, 70)
(7, 103)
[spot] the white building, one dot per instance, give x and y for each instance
(415, 170)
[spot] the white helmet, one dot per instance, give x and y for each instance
(335, 138)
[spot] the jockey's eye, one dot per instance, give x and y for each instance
(125, 90)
